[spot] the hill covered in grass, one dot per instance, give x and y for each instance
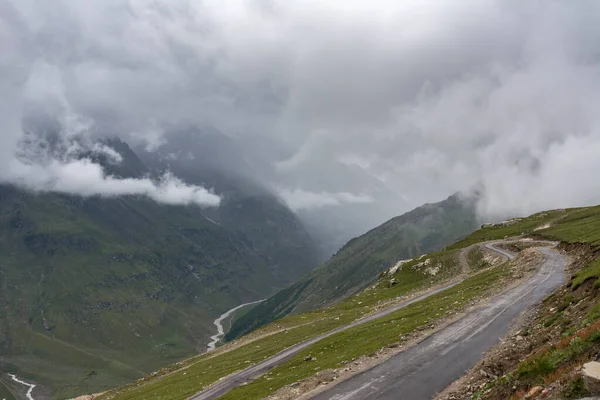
(95, 292)
(561, 340)
(358, 264)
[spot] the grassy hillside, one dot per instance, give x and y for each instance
(95, 292)
(358, 263)
(208, 368)
(579, 226)
(575, 227)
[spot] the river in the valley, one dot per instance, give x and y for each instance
(219, 324)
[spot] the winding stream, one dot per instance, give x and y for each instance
(30, 385)
(218, 323)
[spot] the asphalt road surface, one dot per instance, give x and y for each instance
(428, 368)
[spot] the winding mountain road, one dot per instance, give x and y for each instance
(428, 367)
(424, 370)
(253, 372)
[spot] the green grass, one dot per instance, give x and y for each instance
(537, 368)
(202, 371)
(366, 339)
(97, 292)
(575, 389)
(580, 225)
(554, 364)
(5, 393)
(476, 259)
(574, 225)
(522, 226)
(591, 271)
(568, 225)
(356, 265)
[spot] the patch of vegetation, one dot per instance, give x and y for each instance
(575, 389)
(476, 259)
(206, 369)
(592, 315)
(590, 272)
(566, 302)
(550, 321)
(580, 225)
(554, 362)
(5, 393)
(515, 227)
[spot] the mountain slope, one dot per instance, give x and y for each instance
(98, 291)
(547, 351)
(424, 229)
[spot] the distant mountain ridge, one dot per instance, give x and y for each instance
(357, 264)
(97, 291)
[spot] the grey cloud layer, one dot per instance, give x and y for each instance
(362, 101)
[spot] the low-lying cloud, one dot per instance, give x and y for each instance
(298, 199)
(85, 178)
(45, 142)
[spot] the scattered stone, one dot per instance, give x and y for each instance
(534, 392)
(591, 377)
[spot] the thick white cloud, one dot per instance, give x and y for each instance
(84, 178)
(28, 160)
(400, 102)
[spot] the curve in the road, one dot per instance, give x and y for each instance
(427, 368)
(236, 379)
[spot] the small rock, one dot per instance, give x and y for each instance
(591, 377)
(534, 392)
(519, 338)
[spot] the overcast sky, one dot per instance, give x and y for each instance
(357, 100)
